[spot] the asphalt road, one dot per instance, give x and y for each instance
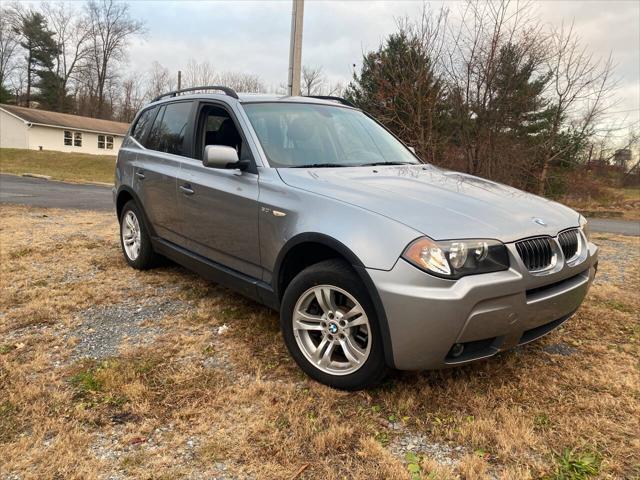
(47, 193)
(613, 225)
(38, 192)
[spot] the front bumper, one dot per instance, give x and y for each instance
(486, 313)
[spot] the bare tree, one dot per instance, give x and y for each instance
(196, 74)
(581, 88)
(9, 44)
(159, 80)
(241, 82)
(313, 80)
(110, 29)
(481, 92)
(281, 89)
(335, 89)
(132, 98)
(72, 36)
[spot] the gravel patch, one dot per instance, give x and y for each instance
(560, 349)
(421, 445)
(105, 328)
(218, 362)
(619, 254)
(75, 274)
(11, 476)
(110, 448)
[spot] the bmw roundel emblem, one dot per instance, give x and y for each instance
(540, 222)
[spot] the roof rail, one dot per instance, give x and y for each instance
(229, 91)
(343, 101)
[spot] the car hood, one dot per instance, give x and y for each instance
(439, 203)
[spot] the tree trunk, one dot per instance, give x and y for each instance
(544, 174)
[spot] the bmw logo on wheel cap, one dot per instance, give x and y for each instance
(333, 328)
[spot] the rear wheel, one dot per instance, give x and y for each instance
(330, 327)
(135, 239)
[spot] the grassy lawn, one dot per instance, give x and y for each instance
(619, 202)
(74, 167)
(109, 372)
(607, 202)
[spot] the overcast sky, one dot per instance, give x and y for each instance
(253, 37)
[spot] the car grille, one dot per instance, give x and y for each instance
(536, 253)
(568, 241)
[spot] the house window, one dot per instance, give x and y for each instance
(68, 138)
(77, 139)
(105, 141)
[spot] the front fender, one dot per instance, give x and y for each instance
(373, 240)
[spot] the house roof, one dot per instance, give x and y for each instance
(65, 120)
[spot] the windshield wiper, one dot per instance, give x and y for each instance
(320, 165)
(376, 164)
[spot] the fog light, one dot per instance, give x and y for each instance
(456, 350)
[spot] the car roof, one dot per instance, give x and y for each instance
(251, 98)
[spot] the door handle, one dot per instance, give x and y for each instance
(140, 175)
(186, 189)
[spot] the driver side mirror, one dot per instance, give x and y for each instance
(221, 156)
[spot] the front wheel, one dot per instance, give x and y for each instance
(330, 327)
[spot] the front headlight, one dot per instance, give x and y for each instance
(584, 226)
(456, 258)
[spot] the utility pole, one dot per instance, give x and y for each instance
(179, 79)
(295, 47)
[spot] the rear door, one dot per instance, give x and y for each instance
(167, 143)
(219, 207)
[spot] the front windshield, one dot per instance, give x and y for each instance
(311, 135)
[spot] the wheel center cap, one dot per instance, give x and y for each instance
(333, 328)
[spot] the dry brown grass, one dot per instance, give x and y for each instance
(594, 199)
(193, 401)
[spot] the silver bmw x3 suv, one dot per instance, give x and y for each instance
(374, 259)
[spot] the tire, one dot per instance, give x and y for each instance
(356, 359)
(145, 257)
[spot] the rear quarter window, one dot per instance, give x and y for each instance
(143, 124)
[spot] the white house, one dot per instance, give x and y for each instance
(33, 129)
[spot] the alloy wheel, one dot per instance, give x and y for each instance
(131, 236)
(332, 330)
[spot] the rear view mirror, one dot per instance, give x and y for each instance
(221, 156)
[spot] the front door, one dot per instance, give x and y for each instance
(219, 207)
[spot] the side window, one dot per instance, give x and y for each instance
(170, 128)
(216, 127)
(100, 141)
(77, 139)
(68, 138)
(143, 124)
(153, 139)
